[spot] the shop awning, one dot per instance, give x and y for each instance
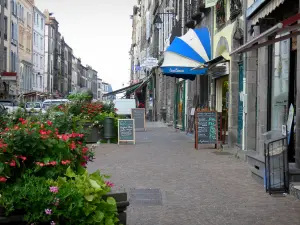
(186, 53)
(212, 63)
(145, 82)
(280, 28)
(130, 88)
(266, 10)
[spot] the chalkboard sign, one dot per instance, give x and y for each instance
(139, 117)
(126, 130)
(206, 128)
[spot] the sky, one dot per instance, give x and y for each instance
(99, 32)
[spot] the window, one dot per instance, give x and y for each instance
(34, 38)
(5, 28)
(28, 42)
(40, 81)
(37, 19)
(21, 38)
(5, 58)
(11, 61)
(42, 43)
(41, 62)
(29, 19)
(42, 24)
(280, 83)
(51, 69)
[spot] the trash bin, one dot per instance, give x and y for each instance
(108, 125)
(163, 112)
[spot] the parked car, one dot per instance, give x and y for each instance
(10, 105)
(53, 102)
(34, 107)
(3, 110)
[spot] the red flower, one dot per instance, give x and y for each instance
(3, 179)
(40, 164)
(43, 132)
(65, 162)
(72, 145)
(49, 123)
(22, 157)
(12, 163)
(85, 149)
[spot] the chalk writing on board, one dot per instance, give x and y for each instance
(207, 129)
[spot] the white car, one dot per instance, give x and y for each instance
(10, 106)
(33, 107)
(53, 102)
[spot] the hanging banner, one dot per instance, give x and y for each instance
(210, 3)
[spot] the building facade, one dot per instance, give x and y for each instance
(25, 23)
(38, 51)
(9, 51)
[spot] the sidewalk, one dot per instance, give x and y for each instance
(180, 185)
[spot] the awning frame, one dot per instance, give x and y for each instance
(281, 27)
(123, 89)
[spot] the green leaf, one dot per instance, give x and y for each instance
(46, 160)
(94, 184)
(89, 198)
(111, 201)
(70, 173)
(98, 217)
(109, 221)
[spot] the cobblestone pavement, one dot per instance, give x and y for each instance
(197, 187)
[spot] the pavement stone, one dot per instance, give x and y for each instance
(197, 186)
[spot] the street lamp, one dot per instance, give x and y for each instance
(158, 22)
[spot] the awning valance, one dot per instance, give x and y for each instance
(186, 53)
(128, 88)
(280, 28)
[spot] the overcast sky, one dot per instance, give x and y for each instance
(99, 32)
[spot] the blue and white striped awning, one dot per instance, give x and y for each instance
(186, 53)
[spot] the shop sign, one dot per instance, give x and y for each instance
(210, 3)
(150, 63)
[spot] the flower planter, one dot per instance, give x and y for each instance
(122, 204)
(95, 133)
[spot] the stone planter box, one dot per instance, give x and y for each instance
(95, 134)
(122, 204)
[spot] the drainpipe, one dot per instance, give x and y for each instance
(245, 102)
(2, 57)
(186, 82)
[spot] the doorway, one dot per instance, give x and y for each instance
(222, 100)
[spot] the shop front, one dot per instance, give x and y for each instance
(271, 73)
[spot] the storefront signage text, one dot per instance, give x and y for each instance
(210, 3)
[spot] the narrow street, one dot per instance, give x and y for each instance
(180, 185)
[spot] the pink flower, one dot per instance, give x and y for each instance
(49, 122)
(65, 162)
(52, 223)
(40, 164)
(3, 179)
(109, 184)
(48, 211)
(53, 189)
(72, 145)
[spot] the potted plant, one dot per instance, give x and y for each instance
(43, 179)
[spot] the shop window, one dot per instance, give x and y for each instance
(280, 84)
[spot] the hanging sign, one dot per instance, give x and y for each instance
(210, 3)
